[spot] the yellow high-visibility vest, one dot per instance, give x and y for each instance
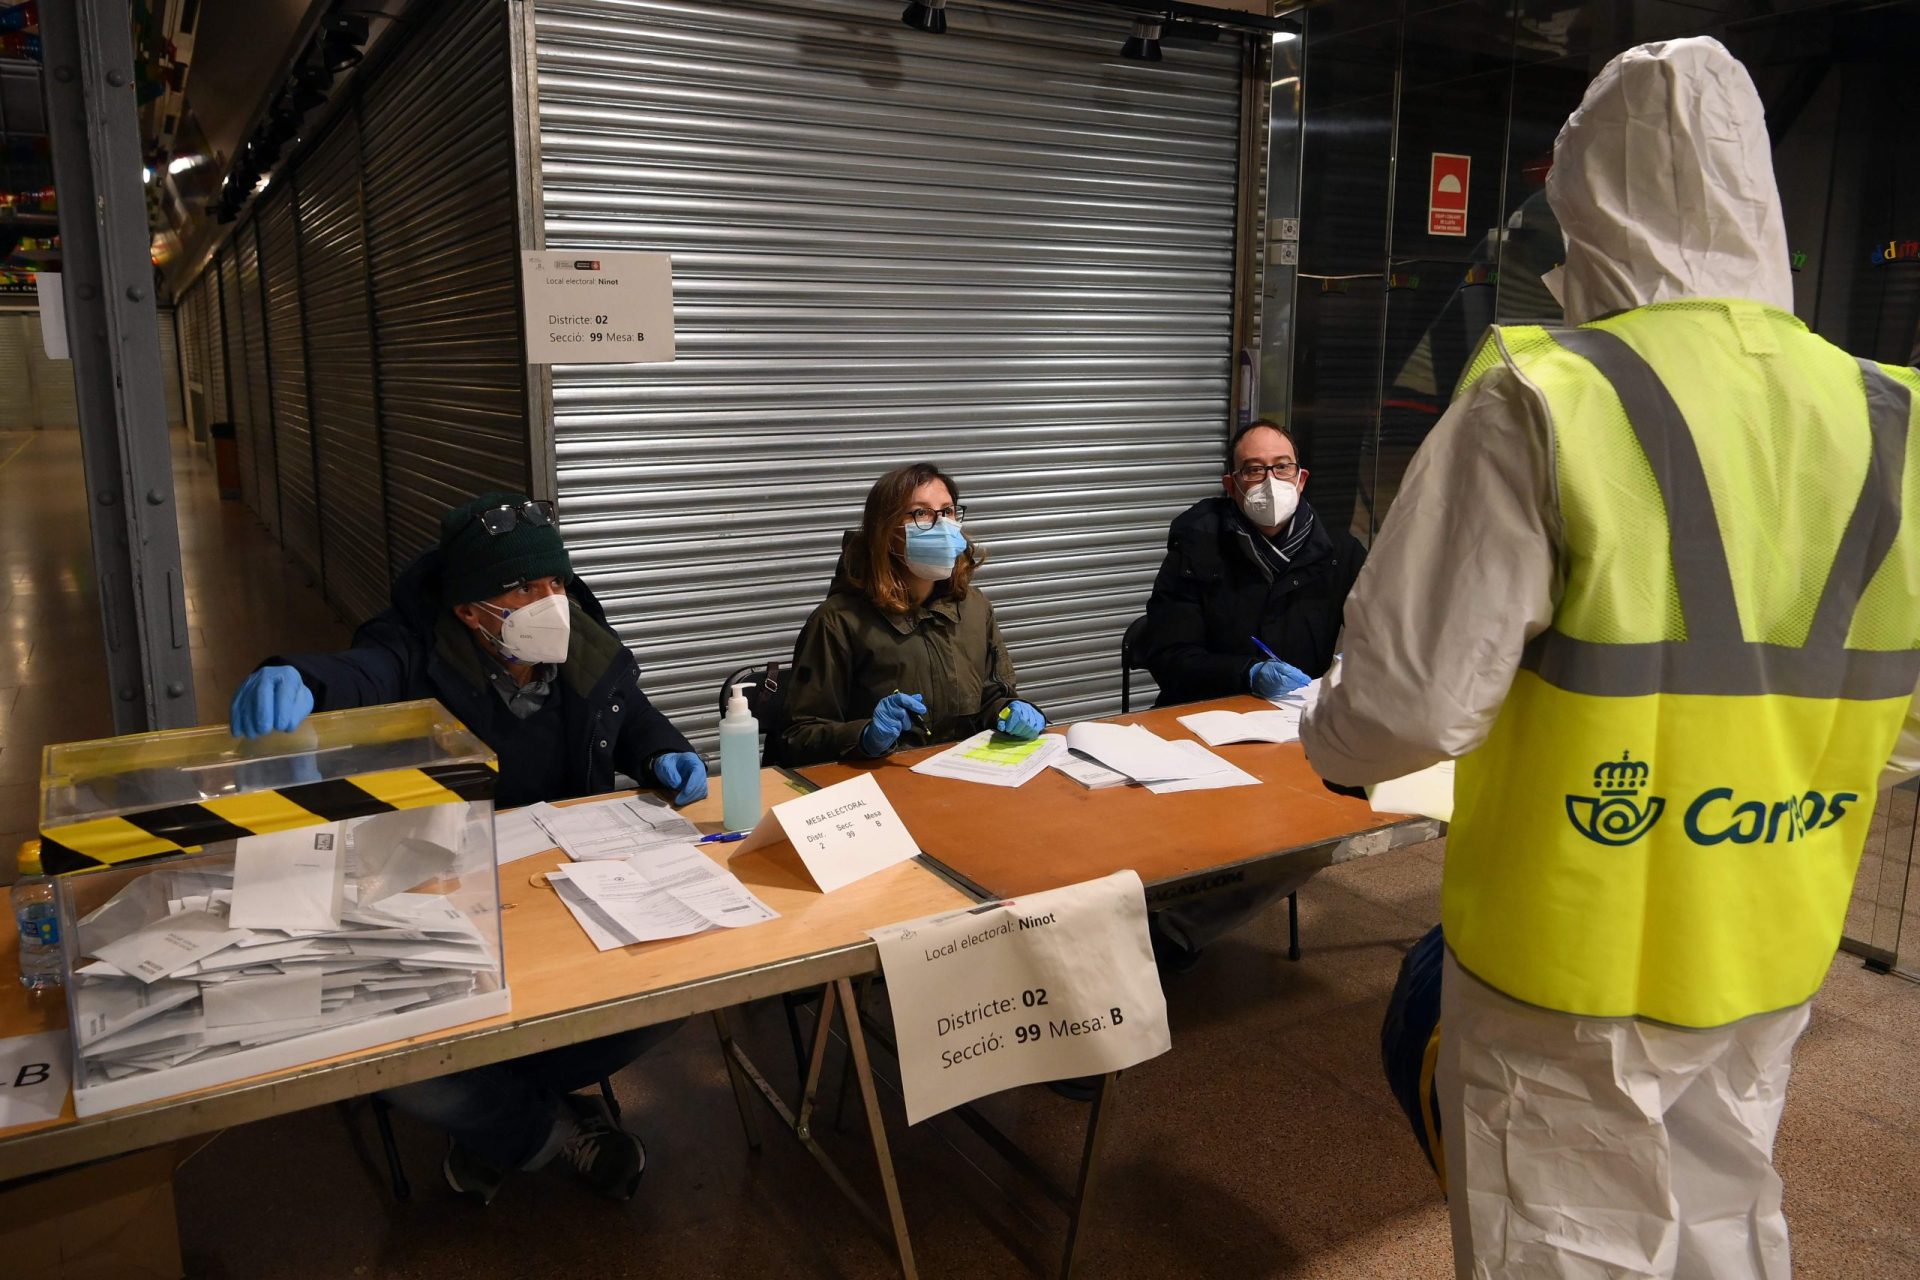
(1666, 818)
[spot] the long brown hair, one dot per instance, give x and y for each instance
(876, 561)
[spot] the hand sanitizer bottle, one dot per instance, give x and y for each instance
(739, 763)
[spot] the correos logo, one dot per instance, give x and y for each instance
(1719, 815)
(1619, 816)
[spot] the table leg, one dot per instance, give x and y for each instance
(1090, 1169)
(742, 1095)
(877, 1127)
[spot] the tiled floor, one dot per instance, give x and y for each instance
(1264, 1145)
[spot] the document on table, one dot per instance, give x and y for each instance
(289, 879)
(518, 834)
(659, 893)
(1428, 793)
(1213, 773)
(615, 829)
(1088, 772)
(1139, 753)
(1302, 698)
(994, 758)
(1218, 728)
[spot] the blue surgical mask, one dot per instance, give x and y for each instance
(931, 552)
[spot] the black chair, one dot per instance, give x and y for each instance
(1130, 660)
(766, 700)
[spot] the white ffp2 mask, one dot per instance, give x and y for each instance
(1270, 503)
(537, 632)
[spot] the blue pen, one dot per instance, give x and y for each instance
(1262, 648)
(722, 837)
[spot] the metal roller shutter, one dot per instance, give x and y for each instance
(193, 318)
(239, 394)
(443, 246)
(216, 312)
(333, 271)
(1005, 249)
(266, 483)
(170, 365)
(287, 355)
(16, 378)
(53, 402)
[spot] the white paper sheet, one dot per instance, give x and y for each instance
(842, 833)
(1218, 773)
(994, 759)
(1428, 793)
(1218, 728)
(601, 929)
(1137, 752)
(153, 952)
(1088, 772)
(289, 879)
(699, 883)
(615, 830)
(35, 1073)
(627, 898)
(518, 834)
(282, 998)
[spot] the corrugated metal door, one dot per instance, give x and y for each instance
(286, 353)
(193, 314)
(216, 305)
(16, 376)
(344, 412)
(170, 365)
(1005, 249)
(443, 246)
(239, 392)
(266, 482)
(53, 402)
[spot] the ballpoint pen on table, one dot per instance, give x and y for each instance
(722, 837)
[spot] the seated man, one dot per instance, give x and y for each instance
(494, 625)
(1248, 600)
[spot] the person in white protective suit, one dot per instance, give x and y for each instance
(1649, 582)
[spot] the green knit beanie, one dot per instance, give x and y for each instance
(479, 564)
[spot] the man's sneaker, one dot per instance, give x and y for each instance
(604, 1156)
(471, 1176)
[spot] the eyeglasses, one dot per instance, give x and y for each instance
(1255, 472)
(506, 516)
(921, 518)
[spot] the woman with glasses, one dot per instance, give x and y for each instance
(904, 651)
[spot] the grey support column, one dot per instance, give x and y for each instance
(114, 335)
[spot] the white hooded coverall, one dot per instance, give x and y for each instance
(1579, 1147)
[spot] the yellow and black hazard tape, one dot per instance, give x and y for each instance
(188, 828)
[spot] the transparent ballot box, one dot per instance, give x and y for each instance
(230, 907)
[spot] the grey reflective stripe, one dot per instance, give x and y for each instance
(1715, 659)
(1876, 519)
(1699, 557)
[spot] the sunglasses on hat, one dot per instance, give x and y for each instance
(505, 517)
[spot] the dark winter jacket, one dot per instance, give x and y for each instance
(850, 655)
(1219, 587)
(594, 722)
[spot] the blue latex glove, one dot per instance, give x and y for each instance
(1272, 678)
(1021, 720)
(272, 700)
(893, 717)
(685, 772)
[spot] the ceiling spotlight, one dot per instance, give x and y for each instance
(180, 164)
(1143, 43)
(1285, 37)
(928, 16)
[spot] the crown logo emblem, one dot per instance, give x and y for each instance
(1617, 816)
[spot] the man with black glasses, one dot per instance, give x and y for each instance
(1248, 600)
(493, 623)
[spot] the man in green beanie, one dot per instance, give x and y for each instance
(493, 623)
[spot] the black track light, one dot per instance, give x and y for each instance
(928, 16)
(1143, 43)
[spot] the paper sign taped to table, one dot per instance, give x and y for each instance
(842, 833)
(35, 1073)
(1428, 793)
(597, 306)
(1044, 987)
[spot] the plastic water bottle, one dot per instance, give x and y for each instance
(41, 964)
(739, 763)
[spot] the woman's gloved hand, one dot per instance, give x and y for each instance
(271, 700)
(685, 772)
(1021, 720)
(893, 717)
(1272, 678)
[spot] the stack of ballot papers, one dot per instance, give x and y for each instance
(663, 892)
(995, 758)
(292, 933)
(1087, 771)
(611, 830)
(1139, 753)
